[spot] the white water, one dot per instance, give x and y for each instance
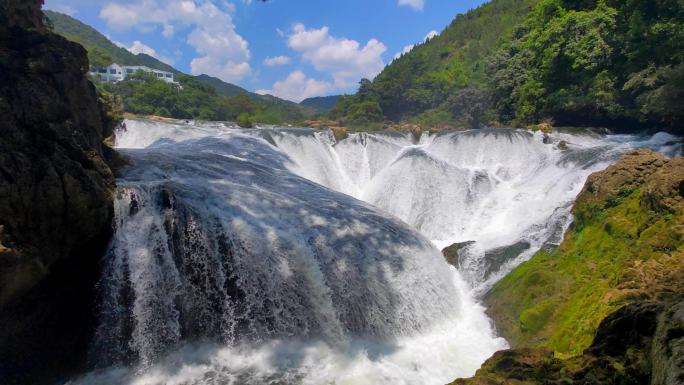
(230, 267)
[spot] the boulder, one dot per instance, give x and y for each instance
(478, 265)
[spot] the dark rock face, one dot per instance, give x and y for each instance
(627, 350)
(630, 326)
(451, 253)
(668, 347)
(55, 196)
(641, 342)
(492, 260)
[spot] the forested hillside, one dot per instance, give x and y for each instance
(611, 63)
(101, 51)
(201, 97)
(417, 85)
(321, 103)
(615, 63)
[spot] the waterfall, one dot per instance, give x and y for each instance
(274, 255)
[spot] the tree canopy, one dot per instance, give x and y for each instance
(616, 63)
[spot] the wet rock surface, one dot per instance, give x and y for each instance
(479, 265)
(627, 350)
(637, 203)
(55, 196)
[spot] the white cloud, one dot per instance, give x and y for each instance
(297, 87)
(344, 59)
(404, 51)
(119, 16)
(139, 47)
(277, 61)
(229, 71)
(409, 47)
(222, 52)
(168, 31)
(117, 43)
(418, 5)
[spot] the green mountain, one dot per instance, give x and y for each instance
(609, 63)
(222, 88)
(321, 103)
(415, 86)
(101, 51)
(423, 78)
(203, 96)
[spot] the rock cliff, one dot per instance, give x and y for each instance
(55, 196)
(606, 307)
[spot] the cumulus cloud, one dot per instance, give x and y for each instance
(139, 47)
(418, 5)
(431, 34)
(277, 61)
(344, 59)
(297, 87)
(222, 52)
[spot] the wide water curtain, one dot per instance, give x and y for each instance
(283, 256)
(211, 245)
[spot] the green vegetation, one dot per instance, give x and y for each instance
(417, 86)
(597, 62)
(626, 240)
(144, 94)
(201, 97)
(101, 51)
(609, 62)
(360, 111)
(321, 103)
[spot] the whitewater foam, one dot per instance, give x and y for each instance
(242, 257)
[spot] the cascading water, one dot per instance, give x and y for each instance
(243, 257)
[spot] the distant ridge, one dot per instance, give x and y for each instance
(321, 103)
(98, 46)
(102, 51)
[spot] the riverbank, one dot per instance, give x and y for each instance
(606, 306)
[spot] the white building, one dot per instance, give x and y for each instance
(116, 73)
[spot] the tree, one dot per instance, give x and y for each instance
(471, 104)
(365, 92)
(99, 58)
(245, 120)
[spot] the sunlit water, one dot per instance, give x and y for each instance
(277, 256)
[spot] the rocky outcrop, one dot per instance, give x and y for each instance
(625, 351)
(476, 267)
(607, 306)
(453, 254)
(668, 347)
(55, 196)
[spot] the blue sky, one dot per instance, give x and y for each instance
(289, 48)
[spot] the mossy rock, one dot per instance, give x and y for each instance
(624, 245)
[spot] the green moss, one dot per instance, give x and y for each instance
(535, 318)
(558, 299)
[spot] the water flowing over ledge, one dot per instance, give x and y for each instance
(248, 256)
